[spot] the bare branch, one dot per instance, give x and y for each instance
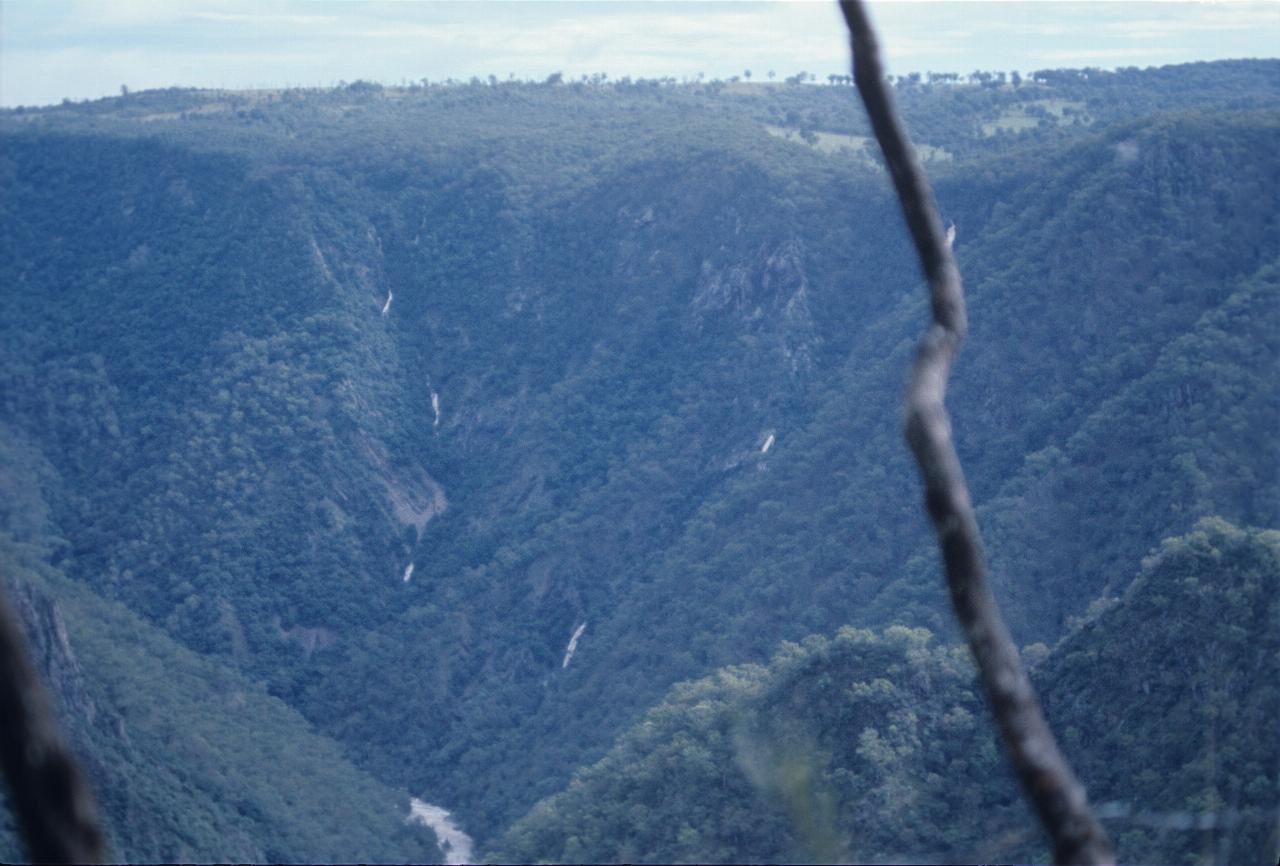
(1046, 778)
(49, 797)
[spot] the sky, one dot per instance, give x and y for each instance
(85, 49)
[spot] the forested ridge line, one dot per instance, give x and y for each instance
(634, 375)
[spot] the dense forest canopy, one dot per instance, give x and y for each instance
(532, 449)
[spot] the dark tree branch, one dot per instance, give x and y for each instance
(47, 793)
(1046, 778)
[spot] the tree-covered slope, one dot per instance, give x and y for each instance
(1166, 698)
(826, 529)
(191, 761)
(838, 750)
(391, 392)
(875, 746)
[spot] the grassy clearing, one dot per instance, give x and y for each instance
(861, 146)
(1029, 114)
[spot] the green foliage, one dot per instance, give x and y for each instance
(841, 749)
(874, 747)
(616, 295)
(1167, 698)
(190, 761)
(231, 773)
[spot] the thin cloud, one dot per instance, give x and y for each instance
(232, 43)
(1077, 55)
(260, 18)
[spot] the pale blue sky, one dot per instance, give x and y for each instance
(50, 49)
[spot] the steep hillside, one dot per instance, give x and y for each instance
(465, 420)
(824, 529)
(874, 747)
(1166, 698)
(191, 760)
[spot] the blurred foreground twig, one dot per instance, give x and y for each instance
(49, 797)
(1046, 778)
